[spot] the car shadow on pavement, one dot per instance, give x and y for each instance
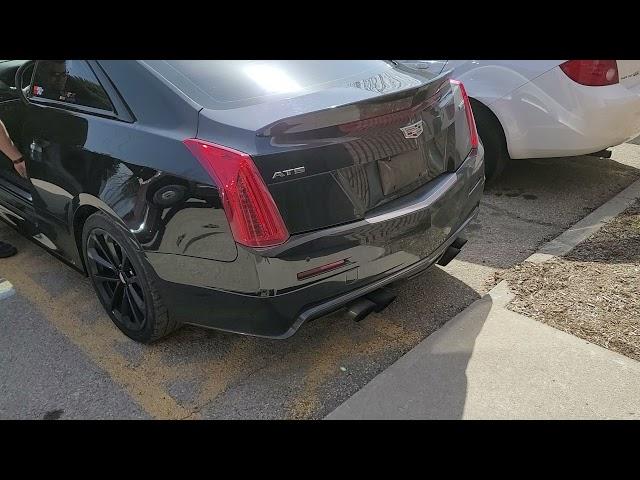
(331, 358)
(448, 358)
(430, 382)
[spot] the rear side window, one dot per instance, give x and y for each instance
(71, 82)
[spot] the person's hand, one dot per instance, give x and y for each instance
(21, 168)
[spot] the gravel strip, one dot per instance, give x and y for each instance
(593, 292)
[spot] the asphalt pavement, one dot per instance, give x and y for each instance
(61, 357)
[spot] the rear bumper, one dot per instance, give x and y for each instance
(553, 116)
(333, 304)
(259, 293)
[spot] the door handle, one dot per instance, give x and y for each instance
(38, 145)
(35, 147)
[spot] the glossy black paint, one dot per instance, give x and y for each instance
(343, 165)
(121, 163)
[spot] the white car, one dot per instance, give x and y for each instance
(547, 108)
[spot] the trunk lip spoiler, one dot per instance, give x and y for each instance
(437, 83)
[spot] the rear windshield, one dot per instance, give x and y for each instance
(226, 83)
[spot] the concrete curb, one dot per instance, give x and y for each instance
(566, 241)
(580, 231)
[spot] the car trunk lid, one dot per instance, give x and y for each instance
(330, 156)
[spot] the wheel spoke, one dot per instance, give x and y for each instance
(100, 246)
(125, 306)
(138, 315)
(126, 263)
(136, 298)
(113, 250)
(117, 296)
(106, 251)
(94, 255)
(102, 278)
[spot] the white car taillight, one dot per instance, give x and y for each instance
(594, 73)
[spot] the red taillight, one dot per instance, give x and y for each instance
(594, 73)
(253, 215)
(473, 132)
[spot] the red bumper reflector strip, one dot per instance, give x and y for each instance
(322, 269)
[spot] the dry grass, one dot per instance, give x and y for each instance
(593, 292)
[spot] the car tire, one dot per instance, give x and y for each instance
(496, 154)
(123, 280)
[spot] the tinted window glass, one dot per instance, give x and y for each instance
(69, 81)
(8, 69)
(230, 81)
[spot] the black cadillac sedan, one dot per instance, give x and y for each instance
(247, 196)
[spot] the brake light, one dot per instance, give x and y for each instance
(471, 123)
(253, 215)
(380, 121)
(594, 73)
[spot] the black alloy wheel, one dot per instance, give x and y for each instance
(116, 280)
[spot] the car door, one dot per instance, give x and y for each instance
(15, 191)
(66, 103)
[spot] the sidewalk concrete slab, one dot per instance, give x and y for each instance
(491, 363)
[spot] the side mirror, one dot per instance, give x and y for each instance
(18, 80)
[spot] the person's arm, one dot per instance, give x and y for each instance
(9, 149)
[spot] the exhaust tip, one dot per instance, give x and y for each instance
(375, 301)
(382, 297)
(452, 252)
(359, 309)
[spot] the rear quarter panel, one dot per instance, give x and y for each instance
(81, 161)
(490, 80)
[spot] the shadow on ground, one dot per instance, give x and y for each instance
(430, 382)
(329, 359)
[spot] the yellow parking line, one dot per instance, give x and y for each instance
(159, 365)
(98, 341)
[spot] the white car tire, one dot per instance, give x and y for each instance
(496, 154)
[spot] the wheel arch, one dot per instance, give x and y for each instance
(477, 105)
(493, 137)
(85, 206)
